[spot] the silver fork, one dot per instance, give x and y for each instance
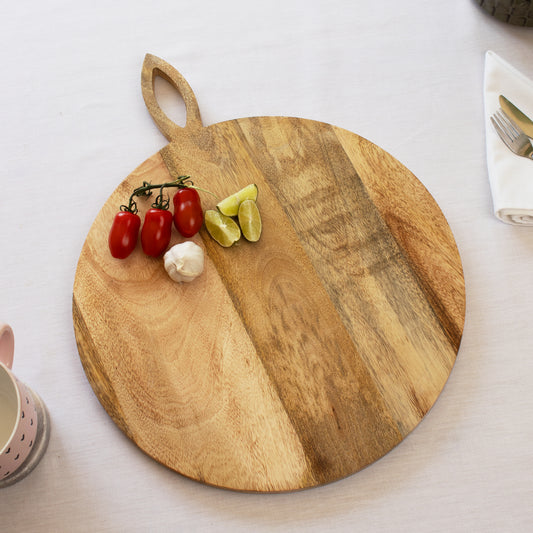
(513, 137)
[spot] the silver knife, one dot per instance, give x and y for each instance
(525, 123)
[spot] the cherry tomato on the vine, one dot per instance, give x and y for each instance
(188, 215)
(156, 231)
(123, 235)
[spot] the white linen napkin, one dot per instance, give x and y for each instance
(510, 176)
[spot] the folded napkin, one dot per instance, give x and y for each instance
(510, 176)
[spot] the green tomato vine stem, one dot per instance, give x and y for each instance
(181, 182)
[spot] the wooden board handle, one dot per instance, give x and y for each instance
(154, 66)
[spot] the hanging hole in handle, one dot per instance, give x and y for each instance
(170, 101)
(153, 68)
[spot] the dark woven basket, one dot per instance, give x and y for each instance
(517, 12)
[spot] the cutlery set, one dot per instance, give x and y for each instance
(514, 128)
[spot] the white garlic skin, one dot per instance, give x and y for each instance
(184, 261)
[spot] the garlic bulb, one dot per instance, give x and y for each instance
(184, 261)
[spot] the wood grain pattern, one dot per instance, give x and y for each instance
(290, 362)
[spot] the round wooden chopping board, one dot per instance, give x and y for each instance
(290, 362)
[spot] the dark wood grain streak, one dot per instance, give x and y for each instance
(337, 217)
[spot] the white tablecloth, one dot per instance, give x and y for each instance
(406, 75)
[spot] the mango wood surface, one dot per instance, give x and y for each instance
(293, 361)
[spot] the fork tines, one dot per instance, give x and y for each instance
(511, 134)
(510, 129)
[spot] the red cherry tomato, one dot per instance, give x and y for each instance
(156, 231)
(123, 234)
(188, 215)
